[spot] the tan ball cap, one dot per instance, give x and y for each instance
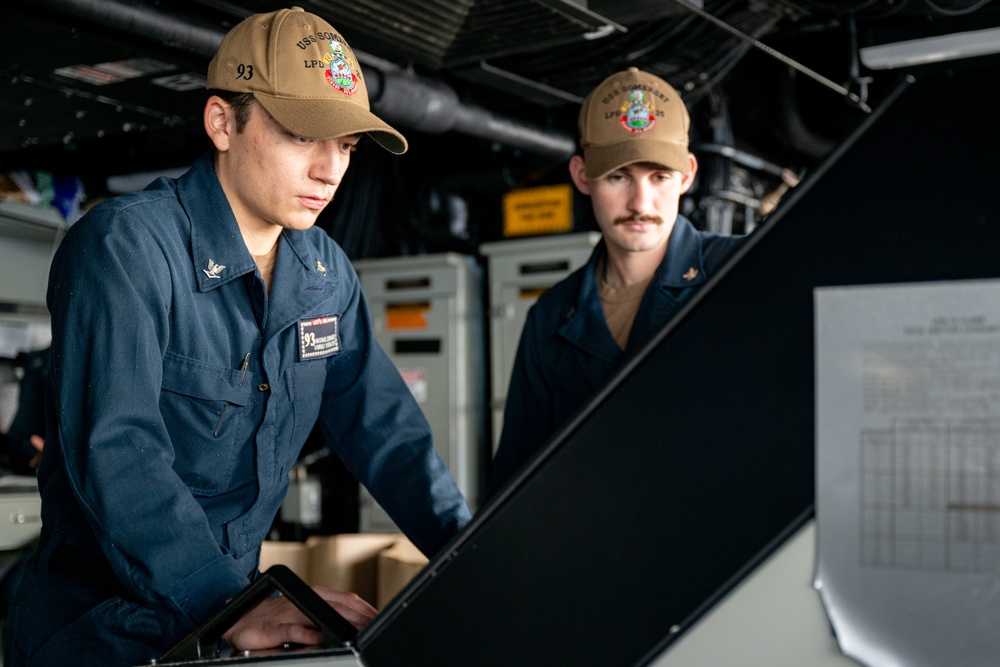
(302, 71)
(634, 116)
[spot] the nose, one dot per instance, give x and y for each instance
(640, 197)
(330, 163)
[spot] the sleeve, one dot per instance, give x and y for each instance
(527, 417)
(109, 297)
(377, 428)
(719, 249)
(30, 416)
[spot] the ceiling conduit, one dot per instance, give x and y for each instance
(398, 96)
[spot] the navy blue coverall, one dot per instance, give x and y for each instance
(566, 352)
(180, 395)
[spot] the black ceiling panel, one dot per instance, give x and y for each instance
(90, 81)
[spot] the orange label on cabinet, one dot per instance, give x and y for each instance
(406, 315)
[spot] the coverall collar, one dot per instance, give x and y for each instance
(218, 251)
(682, 267)
(584, 324)
(303, 279)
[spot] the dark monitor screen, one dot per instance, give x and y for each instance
(699, 457)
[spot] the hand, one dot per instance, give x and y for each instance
(37, 442)
(276, 621)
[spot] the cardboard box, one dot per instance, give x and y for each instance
(294, 555)
(397, 565)
(348, 562)
(376, 566)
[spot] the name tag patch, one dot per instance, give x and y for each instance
(319, 337)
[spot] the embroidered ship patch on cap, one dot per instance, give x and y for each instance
(637, 114)
(340, 73)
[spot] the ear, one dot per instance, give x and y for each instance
(687, 180)
(218, 123)
(578, 172)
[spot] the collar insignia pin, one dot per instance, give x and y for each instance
(213, 269)
(320, 267)
(690, 274)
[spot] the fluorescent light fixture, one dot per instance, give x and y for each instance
(932, 49)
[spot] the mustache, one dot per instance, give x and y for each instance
(629, 219)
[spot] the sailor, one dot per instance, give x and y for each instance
(200, 329)
(634, 166)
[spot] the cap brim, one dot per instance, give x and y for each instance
(601, 160)
(326, 119)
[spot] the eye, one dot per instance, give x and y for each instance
(349, 144)
(302, 141)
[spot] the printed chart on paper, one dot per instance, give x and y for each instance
(908, 470)
(930, 495)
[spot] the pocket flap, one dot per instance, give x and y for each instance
(198, 379)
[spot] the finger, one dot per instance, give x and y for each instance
(345, 599)
(268, 626)
(294, 633)
(355, 610)
(359, 620)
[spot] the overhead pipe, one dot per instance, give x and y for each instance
(431, 106)
(164, 27)
(400, 97)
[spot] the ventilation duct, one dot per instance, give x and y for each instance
(400, 97)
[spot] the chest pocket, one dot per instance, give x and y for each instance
(210, 418)
(306, 381)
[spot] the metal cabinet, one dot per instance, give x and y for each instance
(519, 271)
(427, 315)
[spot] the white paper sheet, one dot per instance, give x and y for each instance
(908, 471)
